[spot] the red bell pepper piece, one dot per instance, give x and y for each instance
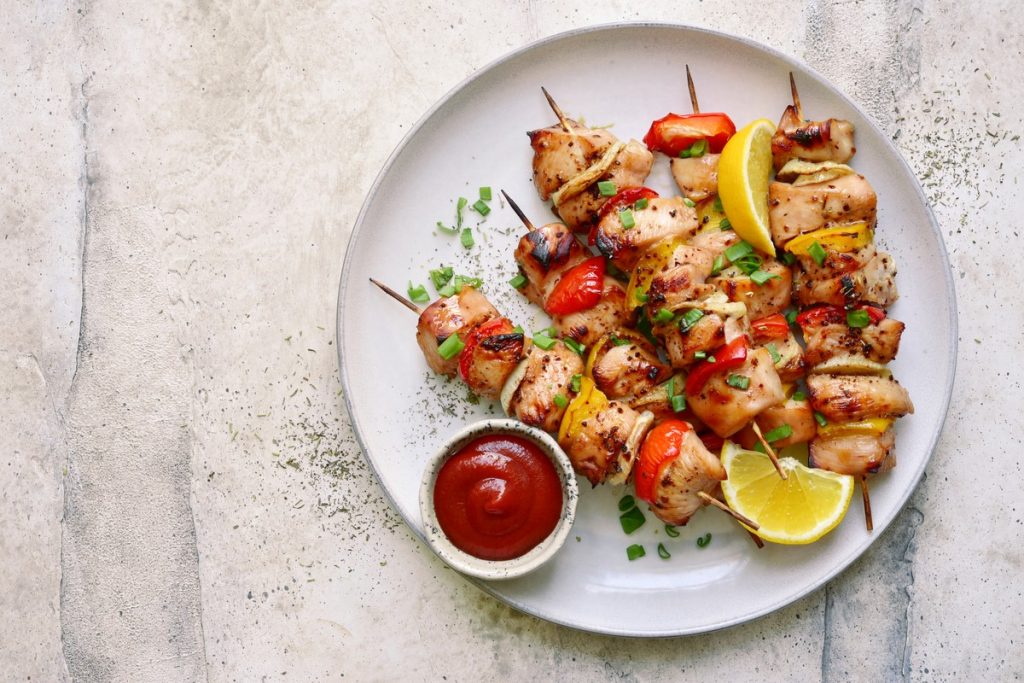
(491, 328)
(673, 133)
(730, 356)
(579, 289)
(661, 446)
(876, 314)
(833, 315)
(770, 327)
(627, 196)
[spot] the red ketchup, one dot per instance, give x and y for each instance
(498, 497)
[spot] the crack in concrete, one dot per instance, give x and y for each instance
(826, 637)
(909, 553)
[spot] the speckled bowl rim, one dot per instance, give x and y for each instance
(950, 292)
(524, 564)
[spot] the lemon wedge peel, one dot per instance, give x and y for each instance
(744, 172)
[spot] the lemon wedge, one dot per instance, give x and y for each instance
(744, 171)
(797, 510)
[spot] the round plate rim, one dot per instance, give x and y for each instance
(804, 590)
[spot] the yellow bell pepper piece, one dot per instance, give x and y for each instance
(589, 402)
(649, 265)
(709, 214)
(876, 426)
(840, 239)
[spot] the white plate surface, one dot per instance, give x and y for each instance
(626, 75)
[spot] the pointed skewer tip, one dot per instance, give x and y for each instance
(519, 212)
(558, 111)
(693, 91)
(396, 296)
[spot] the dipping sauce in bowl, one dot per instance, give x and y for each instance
(498, 497)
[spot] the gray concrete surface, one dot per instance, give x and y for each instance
(181, 496)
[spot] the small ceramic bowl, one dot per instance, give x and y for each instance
(502, 569)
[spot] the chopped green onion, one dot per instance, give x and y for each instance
(711, 359)
(561, 401)
(549, 331)
(632, 519)
(704, 541)
(689, 319)
(618, 341)
(759, 448)
(467, 238)
(725, 224)
(662, 552)
(418, 293)
(616, 272)
(641, 204)
(738, 381)
(790, 316)
(458, 211)
(574, 383)
(485, 194)
(717, 266)
(444, 228)
(518, 329)
(774, 351)
(641, 295)
(607, 188)
(518, 281)
(858, 318)
(635, 552)
(748, 264)
(441, 276)
(451, 347)
(678, 403)
(738, 251)
(700, 355)
(697, 149)
(689, 202)
(799, 396)
(461, 281)
(626, 216)
(788, 258)
(481, 207)
(447, 291)
(574, 345)
(626, 502)
(543, 341)
(670, 387)
(718, 204)
(820, 419)
(762, 276)
(671, 531)
(779, 433)
(817, 252)
(663, 316)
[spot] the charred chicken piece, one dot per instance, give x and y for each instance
(726, 405)
(846, 398)
(797, 209)
(625, 364)
(544, 375)
(829, 140)
(662, 218)
(457, 314)
(589, 325)
(697, 177)
(543, 255)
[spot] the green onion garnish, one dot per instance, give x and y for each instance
(718, 204)
(641, 295)
(481, 207)
(779, 433)
(635, 552)
(518, 329)
(689, 319)
(458, 211)
(632, 519)
(444, 228)
(451, 347)
(607, 188)
(447, 291)
(820, 419)
(670, 387)
(574, 383)
(561, 401)
(699, 148)
(748, 264)
(467, 238)
(662, 553)
(700, 355)
(790, 316)
(626, 216)
(574, 345)
(641, 204)
(626, 502)
(759, 448)
(441, 276)
(678, 403)
(618, 341)
(518, 281)
(671, 531)
(711, 359)
(418, 293)
(738, 251)
(717, 266)
(738, 381)
(485, 194)
(549, 331)
(663, 316)
(817, 252)
(725, 224)
(762, 276)
(689, 202)
(543, 341)
(461, 281)
(704, 541)
(774, 351)
(788, 258)
(858, 318)
(799, 396)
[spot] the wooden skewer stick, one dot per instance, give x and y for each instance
(711, 500)
(755, 538)
(796, 97)
(519, 212)
(867, 502)
(693, 91)
(769, 450)
(558, 111)
(396, 296)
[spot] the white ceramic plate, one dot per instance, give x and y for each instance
(627, 75)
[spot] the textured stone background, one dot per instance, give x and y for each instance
(181, 497)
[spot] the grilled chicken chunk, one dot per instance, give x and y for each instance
(878, 342)
(543, 255)
(605, 445)
(627, 365)
(558, 156)
(492, 359)
(658, 402)
(706, 334)
(590, 325)
(663, 218)
(725, 409)
(546, 374)
(846, 398)
(874, 283)
(681, 279)
(854, 454)
(836, 263)
(697, 177)
(791, 363)
(830, 140)
(761, 300)
(715, 241)
(457, 314)
(796, 209)
(797, 414)
(696, 469)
